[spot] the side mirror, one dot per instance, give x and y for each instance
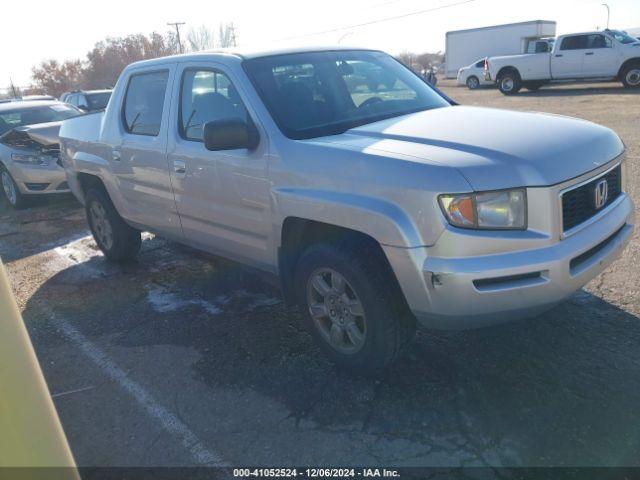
(84, 108)
(230, 134)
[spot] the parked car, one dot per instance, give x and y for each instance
(87, 100)
(35, 98)
(373, 213)
(607, 55)
(29, 149)
(473, 75)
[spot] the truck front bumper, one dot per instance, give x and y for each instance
(467, 292)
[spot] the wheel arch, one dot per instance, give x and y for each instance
(297, 234)
(631, 61)
(508, 68)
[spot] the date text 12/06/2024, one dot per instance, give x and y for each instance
(315, 473)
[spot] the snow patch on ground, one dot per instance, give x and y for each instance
(162, 300)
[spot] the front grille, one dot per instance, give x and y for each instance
(578, 205)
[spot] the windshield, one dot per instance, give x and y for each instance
(622, 37)
(19, 117)
(98, 101)
(326, 93)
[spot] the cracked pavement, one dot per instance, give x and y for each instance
(201, 361)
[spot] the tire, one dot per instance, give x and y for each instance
(382, 318)
(509, 82)
(10, 189)
(473, 82)
(118, 241)
(630, 75)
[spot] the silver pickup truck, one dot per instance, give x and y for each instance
(373, 197)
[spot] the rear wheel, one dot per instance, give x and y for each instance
(357, 319)
(10, 189)
(509, 82)
(118, 241)
(631, 76)
(473, 82)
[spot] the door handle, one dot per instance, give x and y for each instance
(589, 53)
(179, 167)
(116, 154)
(558, 55)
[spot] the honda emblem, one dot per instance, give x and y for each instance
(601, 194)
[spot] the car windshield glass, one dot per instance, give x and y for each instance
(19, 117)
(623, 37)
(98, 101)
(326, 93)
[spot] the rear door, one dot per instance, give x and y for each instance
(139, 162)
(566, 61)
(600, 58)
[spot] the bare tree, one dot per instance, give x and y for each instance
(227, 35)
(55, 78)
(200, 38)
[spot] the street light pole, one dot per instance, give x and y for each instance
(177, 25)
(608, 14)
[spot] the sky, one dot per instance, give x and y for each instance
(69, 28)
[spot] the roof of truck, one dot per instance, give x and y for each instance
(246, 53)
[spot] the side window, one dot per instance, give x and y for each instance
(73, 100)
(598, 41)
(542, 47)
(577, 42)
(480, 64)
(143, 103)
(82, 101)
(207, 95)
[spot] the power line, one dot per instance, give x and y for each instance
(177, 25)
(380, 20)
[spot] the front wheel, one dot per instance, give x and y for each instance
(473, 82)
(631, 76)
(118, 241)
(357, 319)
(10, 190)
(509, 83)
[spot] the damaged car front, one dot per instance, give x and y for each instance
(29, 149)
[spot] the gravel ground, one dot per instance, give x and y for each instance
(184, 359)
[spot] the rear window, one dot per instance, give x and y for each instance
(20, 117)
(577, 42)
(98, 101)
(144, 102)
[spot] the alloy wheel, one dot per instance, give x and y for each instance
(9, 188)
(336, 310)
(101, 225)
(633, 77)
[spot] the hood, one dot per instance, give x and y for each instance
(493, 149)
(44, 134)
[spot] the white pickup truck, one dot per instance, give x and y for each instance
(606, 55)
(375, 202)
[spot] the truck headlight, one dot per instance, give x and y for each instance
(498, 210)
(29, 158)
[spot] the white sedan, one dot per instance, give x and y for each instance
(473, 75)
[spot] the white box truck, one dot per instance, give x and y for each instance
(464, 47)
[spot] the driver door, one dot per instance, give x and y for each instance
(223, 197)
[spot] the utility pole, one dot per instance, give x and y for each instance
(608, 14)
(177, 26)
